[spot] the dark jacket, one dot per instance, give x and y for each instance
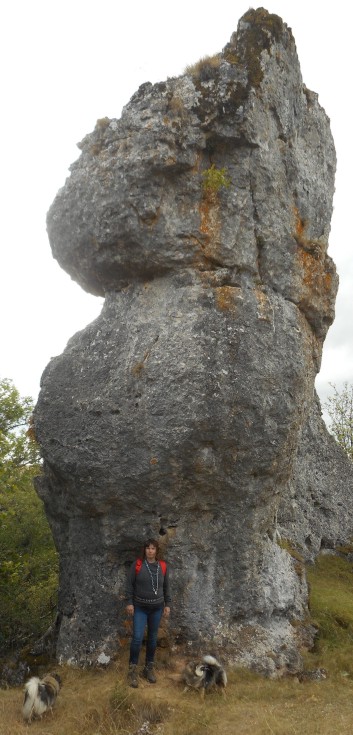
(140, 590)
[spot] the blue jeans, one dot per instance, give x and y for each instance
(142, 617)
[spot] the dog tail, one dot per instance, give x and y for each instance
(31, 693)
(212, 661)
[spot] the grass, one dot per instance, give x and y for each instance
(204, 66)
(100, 702)
(331, 605)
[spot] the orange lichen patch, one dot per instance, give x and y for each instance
(300, 224)
(208, 278)
(153, 460)
(210, 224)
(209, 212)
(226, 298)
(317, 281)
(312, 270)
(318, 286)
(314, 247)
(327, 281)
(265, 310)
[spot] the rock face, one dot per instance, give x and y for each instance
(202, 216)
(316, 512)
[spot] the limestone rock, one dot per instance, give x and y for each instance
(315, 512)
(203, 216)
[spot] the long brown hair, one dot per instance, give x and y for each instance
(150, 542)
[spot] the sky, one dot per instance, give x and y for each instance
(66, 64)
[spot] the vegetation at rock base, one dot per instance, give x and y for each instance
(99, 702)
(339, 407)
(28, 559)
(331, 607)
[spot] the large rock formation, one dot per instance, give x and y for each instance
(203, 217)
(315, 511)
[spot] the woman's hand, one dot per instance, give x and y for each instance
(130, 609)
(166, 612)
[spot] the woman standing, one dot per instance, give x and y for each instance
(147, 600)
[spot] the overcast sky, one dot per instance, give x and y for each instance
(64, 65)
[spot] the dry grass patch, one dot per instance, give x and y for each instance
(203, 66)
(100, 703)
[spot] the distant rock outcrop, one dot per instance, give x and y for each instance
(315, 511)
(203, 216)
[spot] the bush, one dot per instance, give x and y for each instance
(204, 68)
(215, 179)
(28, 559)
(340, 409)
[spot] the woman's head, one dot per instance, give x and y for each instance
(150, 544)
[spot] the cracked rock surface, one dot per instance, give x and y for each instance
(203, 216)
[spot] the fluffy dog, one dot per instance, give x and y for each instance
(40, 695)
(204, 675)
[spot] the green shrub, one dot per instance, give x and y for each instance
(28, 568)
(215, 179)
(28, 559)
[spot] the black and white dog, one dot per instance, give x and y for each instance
(40, 695)
(204, 675)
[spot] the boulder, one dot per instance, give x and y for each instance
(202, 215)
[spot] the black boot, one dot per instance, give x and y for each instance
(148, 673)
(132, 676)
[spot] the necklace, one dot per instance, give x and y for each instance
(155, 588)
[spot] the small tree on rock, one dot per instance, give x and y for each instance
(339, 407)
